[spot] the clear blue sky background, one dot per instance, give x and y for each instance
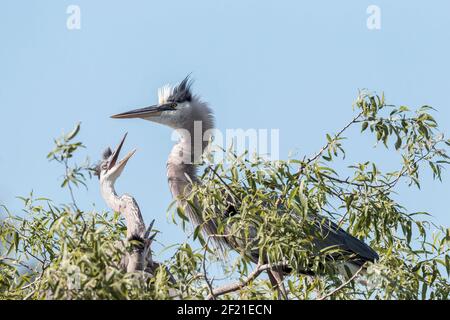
(290, 65)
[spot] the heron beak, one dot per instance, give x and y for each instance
(122, 163)
(152, 111)
(116, 154)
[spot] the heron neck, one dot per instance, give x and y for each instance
(109, 195)
(186, 155)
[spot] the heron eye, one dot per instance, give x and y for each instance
(174, 105)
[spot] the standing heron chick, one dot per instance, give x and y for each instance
(108, 171)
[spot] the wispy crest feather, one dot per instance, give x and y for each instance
(164, 94)
(180, 93)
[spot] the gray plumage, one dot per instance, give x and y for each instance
(139, 258)
(333, 236)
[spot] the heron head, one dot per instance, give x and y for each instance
(109, 169)
(177, 108)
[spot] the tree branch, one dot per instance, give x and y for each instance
(205, 273)
(243, 283)
(342, 286)
(325, 147)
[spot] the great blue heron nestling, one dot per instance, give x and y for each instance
(179, 108)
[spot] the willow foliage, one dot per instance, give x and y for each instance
(62, 252)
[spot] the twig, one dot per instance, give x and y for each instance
(342, 285)
(15, 261)
(223, 182)
(205, 273)
(66, 166)
(241, 284)
(74, 202)
(321, 151)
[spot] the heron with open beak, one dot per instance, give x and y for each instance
(108, 171)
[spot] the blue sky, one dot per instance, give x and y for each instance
(289, 65)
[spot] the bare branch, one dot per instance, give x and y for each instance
(325, 147)
(260, 268)
(342, 286)
(205, 273)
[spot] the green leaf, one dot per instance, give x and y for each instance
(364, 126)
(74, 132)
(398, 144)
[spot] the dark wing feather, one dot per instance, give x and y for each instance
(330, 235)
(327, 234)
